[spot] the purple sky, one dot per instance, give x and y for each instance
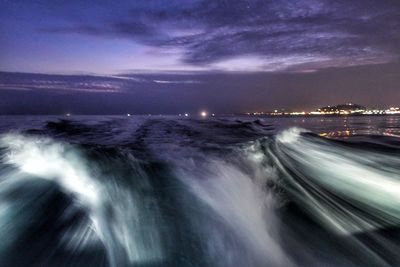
(229, 56)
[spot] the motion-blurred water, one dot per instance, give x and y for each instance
(225, 191)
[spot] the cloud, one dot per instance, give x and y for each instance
(284, 34)
(63, 87)
(63, 84)
(176, 82)
(109, 84)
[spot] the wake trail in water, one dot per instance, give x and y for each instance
(352, 192)
(328, 176)
(169, 194)
(114, 212)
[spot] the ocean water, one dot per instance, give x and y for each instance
(226, 191)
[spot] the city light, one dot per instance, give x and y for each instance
(393, 110)
(203, 114)
(343, 109)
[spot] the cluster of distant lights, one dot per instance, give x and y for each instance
(390, 111)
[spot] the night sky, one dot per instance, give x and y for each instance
(169, 56)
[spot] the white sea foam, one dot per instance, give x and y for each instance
(127, 234)
(243, 205)
(369, 180)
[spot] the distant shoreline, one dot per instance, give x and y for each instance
(316, 116)
(197, 116)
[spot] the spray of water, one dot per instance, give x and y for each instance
(115, 213)
(327, 176)
(244, 207)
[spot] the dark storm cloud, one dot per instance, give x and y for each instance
(284, 34)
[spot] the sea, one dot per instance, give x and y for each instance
(224, 191)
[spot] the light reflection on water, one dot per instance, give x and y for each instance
(343, 127)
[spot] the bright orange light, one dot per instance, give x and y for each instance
(203, 114)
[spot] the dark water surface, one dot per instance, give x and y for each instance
(227, 191)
